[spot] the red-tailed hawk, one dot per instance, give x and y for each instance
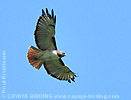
(48, 54)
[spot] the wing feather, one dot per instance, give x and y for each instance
(45, 31)
(57, 69)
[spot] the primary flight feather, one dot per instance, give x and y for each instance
(47, 52)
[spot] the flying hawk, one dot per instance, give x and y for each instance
(47, 52)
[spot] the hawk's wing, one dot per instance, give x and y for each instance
(59, 70)
(45, 31)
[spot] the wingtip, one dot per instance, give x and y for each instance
(73, 80)
(52, 13)
(47, 11)
(55, 19)
(43, 12)
(76, 75)
(49, 15)
(69, 81)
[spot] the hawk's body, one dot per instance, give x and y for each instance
(47, 54)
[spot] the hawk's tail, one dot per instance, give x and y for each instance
(33, 60)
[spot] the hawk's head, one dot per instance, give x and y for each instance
(61, 54)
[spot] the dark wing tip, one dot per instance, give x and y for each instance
(48, 13)
(52, 13)
(43, 12)
(46, 10)
(76, 75)
(69, 81)
(73, 79)
(55, 19)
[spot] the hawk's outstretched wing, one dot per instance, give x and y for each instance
(45, 31)
(59, 70)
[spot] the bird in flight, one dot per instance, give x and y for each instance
(47, 53)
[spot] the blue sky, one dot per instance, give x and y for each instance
(95, 34)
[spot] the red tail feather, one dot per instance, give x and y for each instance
(31, 55)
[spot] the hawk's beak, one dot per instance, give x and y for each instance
(65, 54)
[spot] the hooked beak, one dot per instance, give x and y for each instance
(65, 54)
